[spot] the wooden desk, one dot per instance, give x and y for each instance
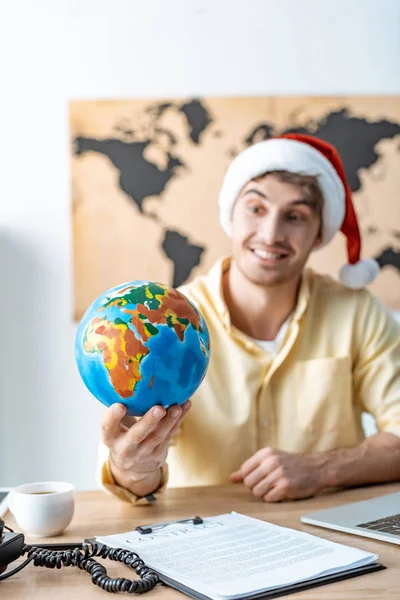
(100, 514)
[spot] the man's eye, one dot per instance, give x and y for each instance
(295, 217)
(255, 210)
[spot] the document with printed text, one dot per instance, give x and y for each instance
(233, 556)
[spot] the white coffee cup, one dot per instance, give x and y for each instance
(43, 509)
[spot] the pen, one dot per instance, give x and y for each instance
(152, 526)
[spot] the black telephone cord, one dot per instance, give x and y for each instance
(84, 559)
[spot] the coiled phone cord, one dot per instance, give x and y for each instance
(84, 559)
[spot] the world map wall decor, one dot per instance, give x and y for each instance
(145, 178)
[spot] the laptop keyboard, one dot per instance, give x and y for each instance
(386, 524)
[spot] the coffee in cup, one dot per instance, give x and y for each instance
(43, 509)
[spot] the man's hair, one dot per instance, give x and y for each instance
(307, 183)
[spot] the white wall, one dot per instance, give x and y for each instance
(52, 51)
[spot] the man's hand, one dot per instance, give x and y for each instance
(138, 448)
(275, 475)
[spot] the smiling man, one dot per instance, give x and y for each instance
(296, 357)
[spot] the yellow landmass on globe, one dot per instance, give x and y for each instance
(122, 353)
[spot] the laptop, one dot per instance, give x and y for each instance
(377, 518)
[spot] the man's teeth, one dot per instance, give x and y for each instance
(265, 254)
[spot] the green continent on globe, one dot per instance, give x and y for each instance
(122, 350)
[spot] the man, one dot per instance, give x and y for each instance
(296, 357)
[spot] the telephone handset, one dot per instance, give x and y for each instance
(12, 546)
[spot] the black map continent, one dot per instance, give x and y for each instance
(183, 255)
(139, 178)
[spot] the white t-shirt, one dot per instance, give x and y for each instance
(272, 346)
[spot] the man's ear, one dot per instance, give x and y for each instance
(317, 241)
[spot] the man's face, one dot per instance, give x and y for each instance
(274, 229)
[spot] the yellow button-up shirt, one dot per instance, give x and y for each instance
(340, 357)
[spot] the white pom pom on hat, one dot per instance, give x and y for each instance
(308, 155)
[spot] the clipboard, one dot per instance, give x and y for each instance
(276, 592)
(283, 591)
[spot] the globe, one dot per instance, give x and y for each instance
(142, 343)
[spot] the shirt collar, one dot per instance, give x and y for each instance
(304, 295)
(214, 277)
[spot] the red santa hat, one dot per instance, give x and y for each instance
(308, 155)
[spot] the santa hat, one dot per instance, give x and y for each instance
(306, 155)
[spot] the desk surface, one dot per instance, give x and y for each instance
(97, 513)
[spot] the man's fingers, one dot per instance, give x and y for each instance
(163, 432)
(253, 462)
(164, 428)
(236, 477)
(266, 484)
(160, 452)
(111, 423)
(185, 409)
(253, 478)
(174, 429)
(128, 421)
(278, 492)
(147, 424)
(247, 467)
